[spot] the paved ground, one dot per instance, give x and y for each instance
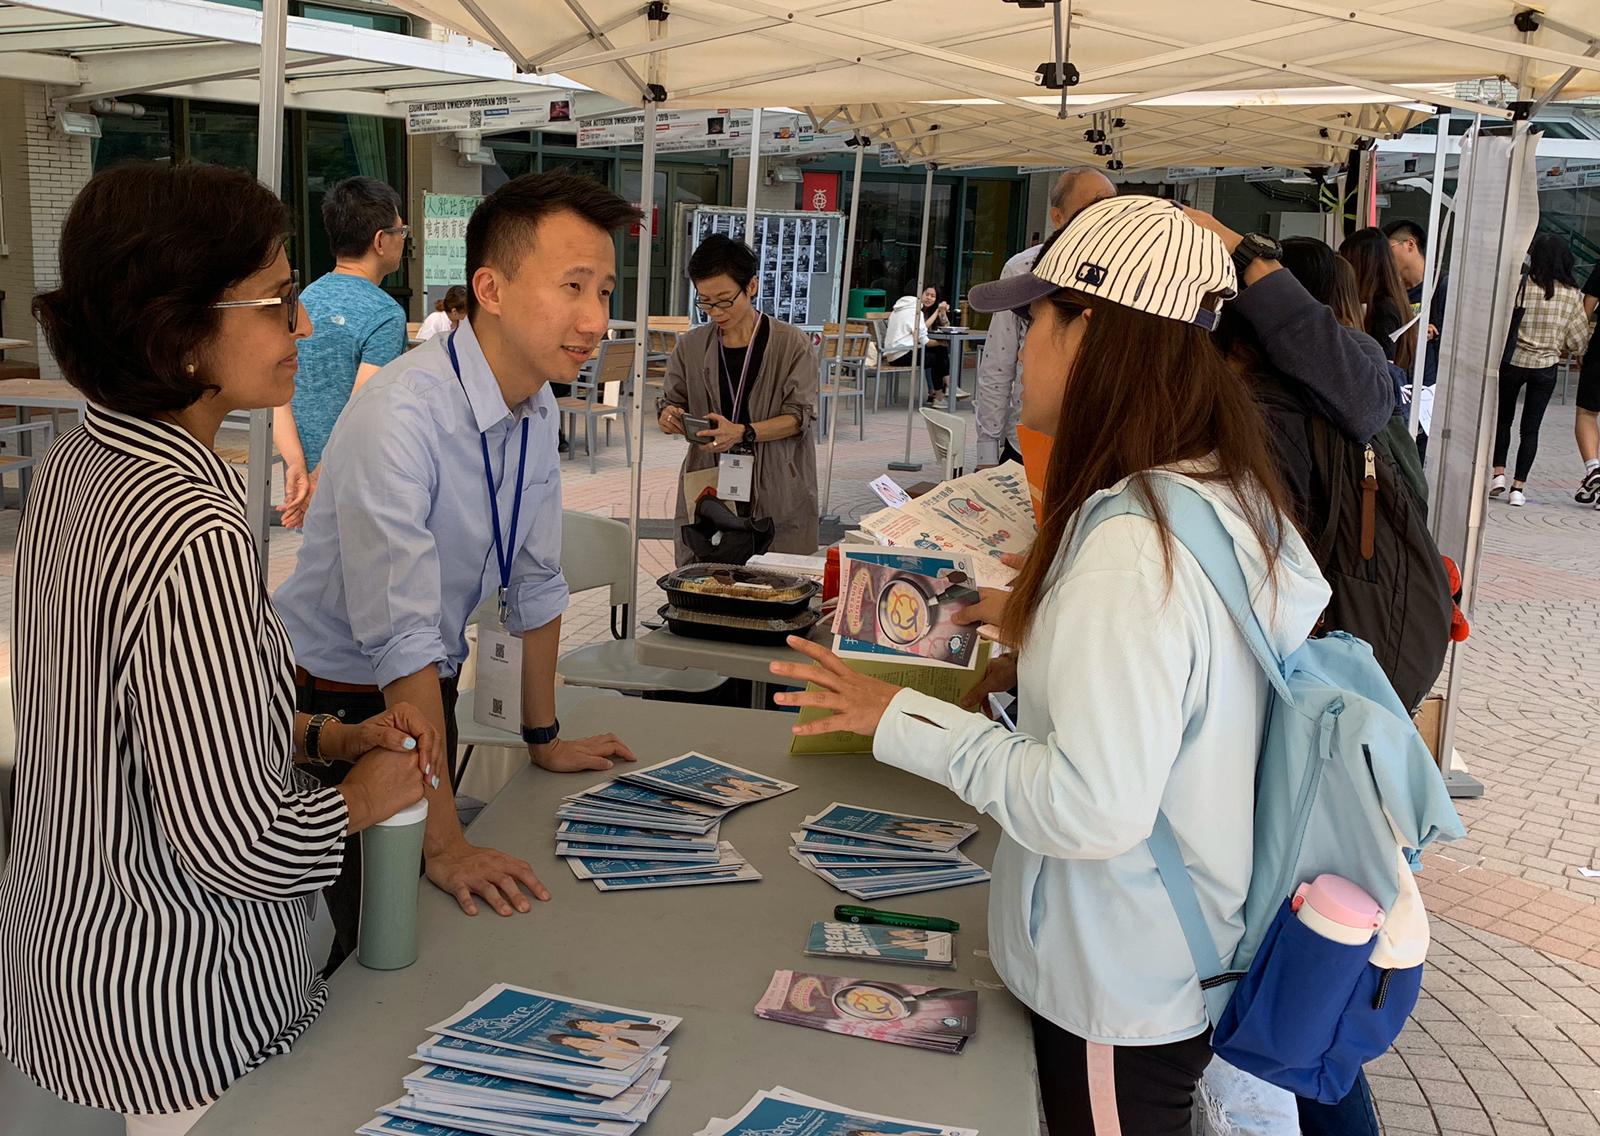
(1506, 1038)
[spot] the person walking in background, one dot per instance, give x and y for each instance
(1554, 324)
(358, 328)
(1586, 426)
(447, 314)
(168, 843)
(998, 404)
(1388, 317)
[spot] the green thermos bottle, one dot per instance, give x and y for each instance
(391, 859)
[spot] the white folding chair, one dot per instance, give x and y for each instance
(595, 554)
(948, 433)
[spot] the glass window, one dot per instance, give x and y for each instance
(597, 168)
(889, 233)
(149, 136)
(986, 237)
(377, 21)
(338, 146)
(223, 135)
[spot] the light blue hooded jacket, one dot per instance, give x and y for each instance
(1137, 695)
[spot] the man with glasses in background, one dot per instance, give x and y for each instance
(357, 328)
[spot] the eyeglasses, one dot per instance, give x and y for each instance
(706, 305)
(291, 301)
(403, 230)
(1066, 313)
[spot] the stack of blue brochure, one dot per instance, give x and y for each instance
(873, 854)
(785, 1111)
(660, 826)
(519, 1062)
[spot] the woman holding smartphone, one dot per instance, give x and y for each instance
(743, 389)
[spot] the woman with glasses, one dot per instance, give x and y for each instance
(753, 380)
(166, 850)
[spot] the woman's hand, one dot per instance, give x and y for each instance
(1000, 677)
(401, 728)
(670, 420)
(857, 703)
(296, 494)
(990, 609)
(722, 435)
(380, 785)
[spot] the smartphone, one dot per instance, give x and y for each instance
(693, 428)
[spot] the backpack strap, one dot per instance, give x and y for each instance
(1215, 979)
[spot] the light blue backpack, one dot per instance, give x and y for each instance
(1343, 783)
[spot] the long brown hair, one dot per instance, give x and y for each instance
(1146, 392)
(1378, 280)
(1346, 298)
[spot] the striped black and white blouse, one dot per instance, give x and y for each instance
(165, 852)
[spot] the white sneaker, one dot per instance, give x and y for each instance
(1498, 485)
(1516, 498)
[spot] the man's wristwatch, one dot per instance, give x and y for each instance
(1254, 247)
(541, 735)
(749, 434)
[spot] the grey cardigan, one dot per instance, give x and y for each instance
(784, 485)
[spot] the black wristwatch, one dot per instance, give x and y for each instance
(1254, 247)
(749, 434)
(541, 735)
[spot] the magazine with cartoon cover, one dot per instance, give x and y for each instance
(611, 868)
(902, 605)
(705, 857)
(903, 830)
(566, 1029)
(825, 842)
(513, 1094)
(744, 873)
(707, 779)
(926, 1017)
(476, 1057)
(643, 797)
(877, 943)
(782, 1110)
(626, 836)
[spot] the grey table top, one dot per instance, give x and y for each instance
(704, 953)
(661, 648)
(41, 394)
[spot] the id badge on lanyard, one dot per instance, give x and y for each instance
(498, 698)
(735, 470)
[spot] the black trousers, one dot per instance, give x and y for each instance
(343, 896)
(1541, 384)
(1153, 1085)
(935, 366)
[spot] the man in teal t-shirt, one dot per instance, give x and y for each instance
(357, 327)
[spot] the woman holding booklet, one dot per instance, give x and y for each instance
(1139, 697)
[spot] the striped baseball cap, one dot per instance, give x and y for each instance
(1141, 252)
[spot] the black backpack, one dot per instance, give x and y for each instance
(1369, 534)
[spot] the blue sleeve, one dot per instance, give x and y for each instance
(386, 340)
(385, 480)
(538, 591)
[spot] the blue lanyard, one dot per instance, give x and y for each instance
(505, 549)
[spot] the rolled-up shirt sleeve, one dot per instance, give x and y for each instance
(799, 385)
(387, 551)
(220, 769)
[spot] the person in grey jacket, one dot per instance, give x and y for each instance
(999, 394)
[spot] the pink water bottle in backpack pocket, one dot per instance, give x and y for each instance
(1337, 909)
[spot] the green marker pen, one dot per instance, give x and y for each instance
(848, 914)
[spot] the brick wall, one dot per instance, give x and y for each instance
(58, 167)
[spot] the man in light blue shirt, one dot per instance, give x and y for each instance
(401, 540)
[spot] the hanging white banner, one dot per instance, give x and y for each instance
(675, 130)
(488, 112)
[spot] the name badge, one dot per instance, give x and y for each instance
(497, 700)
(734, 474)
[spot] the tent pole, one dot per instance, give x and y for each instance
(641, 343)
(269, 172)
(914, 394)
(844, 323)
(753, 182)
(1431, 261)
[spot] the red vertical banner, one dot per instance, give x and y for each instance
(819, 192)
